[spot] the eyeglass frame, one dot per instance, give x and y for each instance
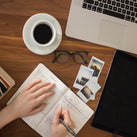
(70, 53)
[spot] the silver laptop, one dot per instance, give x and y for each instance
(111, 23)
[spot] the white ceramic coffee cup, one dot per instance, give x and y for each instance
(46, 22)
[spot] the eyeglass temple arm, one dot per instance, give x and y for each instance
(56, 57)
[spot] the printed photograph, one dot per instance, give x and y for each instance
(96, 65)
(83, 76)
(86, 91)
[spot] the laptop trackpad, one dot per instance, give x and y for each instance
(112, 32)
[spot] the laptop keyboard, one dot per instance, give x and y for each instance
(123, 9)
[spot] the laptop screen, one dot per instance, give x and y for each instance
(117, 108)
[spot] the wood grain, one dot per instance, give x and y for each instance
(19, 62)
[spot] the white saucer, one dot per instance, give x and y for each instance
(27, 34)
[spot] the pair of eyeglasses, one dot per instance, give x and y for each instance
(78, 56)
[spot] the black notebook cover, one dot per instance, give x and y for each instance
(117, 108)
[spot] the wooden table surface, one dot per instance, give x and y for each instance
(18, 61)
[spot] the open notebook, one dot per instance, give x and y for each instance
(41, 122)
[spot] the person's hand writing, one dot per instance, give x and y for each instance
(58, 129)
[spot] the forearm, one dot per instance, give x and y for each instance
(6, 116)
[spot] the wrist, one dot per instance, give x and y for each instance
(6, 116)
(10, 113)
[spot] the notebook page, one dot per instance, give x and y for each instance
(79, 112)
(43, 73)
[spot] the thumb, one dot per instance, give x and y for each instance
(57, 116)
(38, 109)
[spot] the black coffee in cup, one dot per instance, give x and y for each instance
(42, 33)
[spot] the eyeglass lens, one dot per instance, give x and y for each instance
(80, 57)
(62, 57)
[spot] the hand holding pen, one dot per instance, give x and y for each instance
(62, 123)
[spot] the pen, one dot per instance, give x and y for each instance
(67, 127)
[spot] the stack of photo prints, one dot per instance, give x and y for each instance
(6, 82)
(87, 79)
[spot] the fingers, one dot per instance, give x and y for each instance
(57, 116)
(66, 115)
(39, 91)
(67, 118)
(38, 109)
(32, 84)
(45, 88)
(38, 86)
(44, 96)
